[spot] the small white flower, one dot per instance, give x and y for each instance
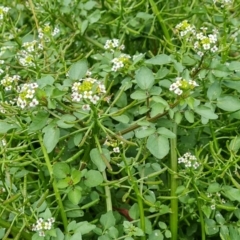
(86, 107)
(116, 150)
(213, 207)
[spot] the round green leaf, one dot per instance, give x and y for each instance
(145, 78)
(206, 112)
(143, 132)
(229, 103)
(74, 195)
(93, 178)
(78, 69)
(158, 146)
(61, 170)
(159, 60)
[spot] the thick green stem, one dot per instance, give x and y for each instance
(174, 185)
(54, 184)
(203, 236)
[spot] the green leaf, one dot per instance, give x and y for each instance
(156, 235)
(211, 227)
(214, 91)
(108, 220)
(39, 121)
(145, 78)
(75, 195)
(157, 108)
(235, 144)
(158, 146)
(59, 234)
(51, 138)
(78, 69)
(166, 132)
(229, 103)
(61, 170)
(232, 84)
(219, 73)
(168, 234)
(205, 112)
(76, 176)
(162, 225)
(97, 158)
(189, 115)
(84, 227)
(234, 232)
(219, 218)
(178, 66)
(2, 232)
(77, 138)
(139, 95)
(4, 127)
(93, 178)
(83, 26)
(65, 121)
(63, 183)
(143, 132)
(214, 187)
(234, 65)
(224, 233)
(113, 232)
(134, 211)
(44, 81)
(76, 236)
(122, 118)
(232, 193)
(94, 17)
(206, 210)
(162, 73)
(159, 60)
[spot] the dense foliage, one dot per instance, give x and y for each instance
(119, 119)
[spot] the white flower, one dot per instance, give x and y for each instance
(116, 150)
(86, 107)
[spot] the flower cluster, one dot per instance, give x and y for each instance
(114, 144)
(3, 12)
(182, 85)
(189, 161)
(205, 42)
(88, 90)
(202, 41)
(27, 94)
(113, 44)
(216, 197)
(27, 55)
(46, 32)
(41, 226)
(185, 28)
(121, 62)
(9, 82)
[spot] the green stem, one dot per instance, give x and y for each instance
(106, 187)
(107, 193)
(15, 230)
(54, 184)
(174, 185)
(203, 236)
(162, 23)
(139, 198)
